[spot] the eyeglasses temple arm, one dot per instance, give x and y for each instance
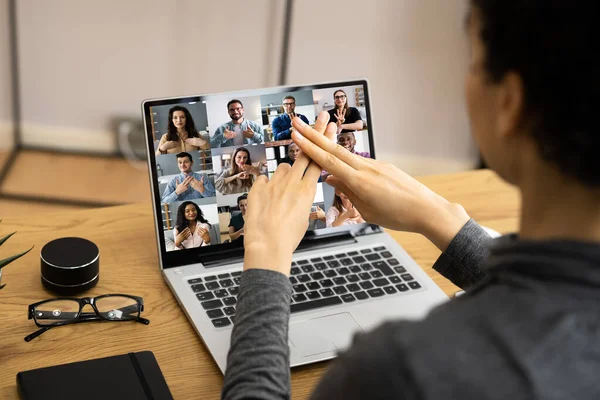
(37, 333)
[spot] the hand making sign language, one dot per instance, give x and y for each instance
(232, 134)
(187, 185)
(228, 133)
(248, 132)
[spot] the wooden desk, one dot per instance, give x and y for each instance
(128, 264)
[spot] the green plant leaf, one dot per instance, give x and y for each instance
(1, 286)
(8, 260)
(5, 238)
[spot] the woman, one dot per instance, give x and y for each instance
(181, 135)
(528, 326)
(342, 212)
(240, 176)
(191, 229)
(346, 118)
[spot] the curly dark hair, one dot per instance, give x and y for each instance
(190, 126)
(181, 222)
(549, 44)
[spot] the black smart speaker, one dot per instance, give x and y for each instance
(70, 265)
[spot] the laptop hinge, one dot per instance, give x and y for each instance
(237, 255)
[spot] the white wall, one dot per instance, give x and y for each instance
(5, 81)
(414, 53)
(83, 62)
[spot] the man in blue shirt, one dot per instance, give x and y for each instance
(188, 185)
(239, 131)
(282, 125)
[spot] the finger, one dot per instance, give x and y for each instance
(321, 123)
(257, 188)
(325, 152)
(302, 162)
(314, 169)
(338, 184)
(280, 173)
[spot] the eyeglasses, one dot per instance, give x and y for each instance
(288, 104)
(235, 109)
(62, 311)
(339, 97)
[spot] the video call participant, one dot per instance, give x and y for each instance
(182, 134)
(282, 125)
(238, 131)
(188, 185)
(236, 223)
(342, 212)
(191, 228)
(347, 140)
(292, 153)
(240, 176)
(346, 118)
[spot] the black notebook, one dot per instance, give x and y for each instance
(133, 376)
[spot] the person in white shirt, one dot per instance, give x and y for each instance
(191, 228)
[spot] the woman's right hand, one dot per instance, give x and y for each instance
(181, 236)
(242, 175)
(171, 144)
(382, 193)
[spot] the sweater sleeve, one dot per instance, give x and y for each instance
(462, 262)
(258, 362)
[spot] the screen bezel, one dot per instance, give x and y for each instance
(171, 259)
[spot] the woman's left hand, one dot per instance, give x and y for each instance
(196, 141)
(203, 233)
(251, 169)
(278, 210)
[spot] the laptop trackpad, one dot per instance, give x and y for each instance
(323, 334)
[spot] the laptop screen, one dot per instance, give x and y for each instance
(206, 152)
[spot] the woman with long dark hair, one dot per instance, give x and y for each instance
(240, 176)
(342, 212)
(191, 228)
(182, 134)
(347, 118)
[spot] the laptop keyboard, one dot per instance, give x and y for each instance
(318, 282)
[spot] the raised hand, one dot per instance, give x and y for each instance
(228, 133)
(391, 198)
(184, 185)
(196, 141)
(203, 233)
(339, 115)
(248, 132)
(182, 236)
(315, 215)
(286, 199)
(242, 175)
(198, 185)
(171, 144)
(352, 213)
(251, 169)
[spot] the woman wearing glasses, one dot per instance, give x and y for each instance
(191, 229)
(347, 118)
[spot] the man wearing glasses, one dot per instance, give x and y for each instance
(282, 125)
(239, 131)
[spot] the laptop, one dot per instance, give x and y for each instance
(348, 276)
